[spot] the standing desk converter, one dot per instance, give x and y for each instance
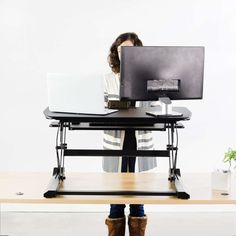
(133, 118)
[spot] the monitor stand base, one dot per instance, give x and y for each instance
(166, 109)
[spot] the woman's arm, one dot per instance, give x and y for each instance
(105, 92)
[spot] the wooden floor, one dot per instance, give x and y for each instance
(30, 187)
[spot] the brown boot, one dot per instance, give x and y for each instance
(116, 226)
(137, 225)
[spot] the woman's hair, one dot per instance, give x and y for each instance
(113, 58)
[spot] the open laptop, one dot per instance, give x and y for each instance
(72, 93)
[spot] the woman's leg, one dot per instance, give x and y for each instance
(130, 143)
(137, 219)
(136, 210)
(116, 218)
(117, 211)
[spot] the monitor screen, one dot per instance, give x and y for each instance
(151, 72)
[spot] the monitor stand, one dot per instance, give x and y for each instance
(166, 109)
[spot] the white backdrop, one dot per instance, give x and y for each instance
(71, 36)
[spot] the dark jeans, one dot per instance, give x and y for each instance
(118, 210)
(128, 164)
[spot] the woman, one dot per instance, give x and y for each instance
(117, 139)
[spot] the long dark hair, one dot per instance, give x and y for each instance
(113, 58)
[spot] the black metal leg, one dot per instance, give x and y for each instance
(174, 173)
(62, 148)
(59, 171)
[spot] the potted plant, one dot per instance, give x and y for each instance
(221, 178)
(230, 156)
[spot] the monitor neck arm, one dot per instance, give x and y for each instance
(166, 107)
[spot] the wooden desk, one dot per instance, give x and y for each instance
(33, 185)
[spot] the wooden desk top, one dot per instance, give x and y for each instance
(33, 185)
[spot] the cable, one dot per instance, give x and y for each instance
(61, 147)
(176, 145)
(172, 145)
(57, 146)
(64, 142)
(168, 128)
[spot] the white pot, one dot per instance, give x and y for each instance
(221, 180)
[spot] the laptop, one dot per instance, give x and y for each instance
(74, 93)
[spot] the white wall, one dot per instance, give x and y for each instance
(37, 37)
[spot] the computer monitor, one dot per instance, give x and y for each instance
(151, 72)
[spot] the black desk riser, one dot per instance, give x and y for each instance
(133, 118)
